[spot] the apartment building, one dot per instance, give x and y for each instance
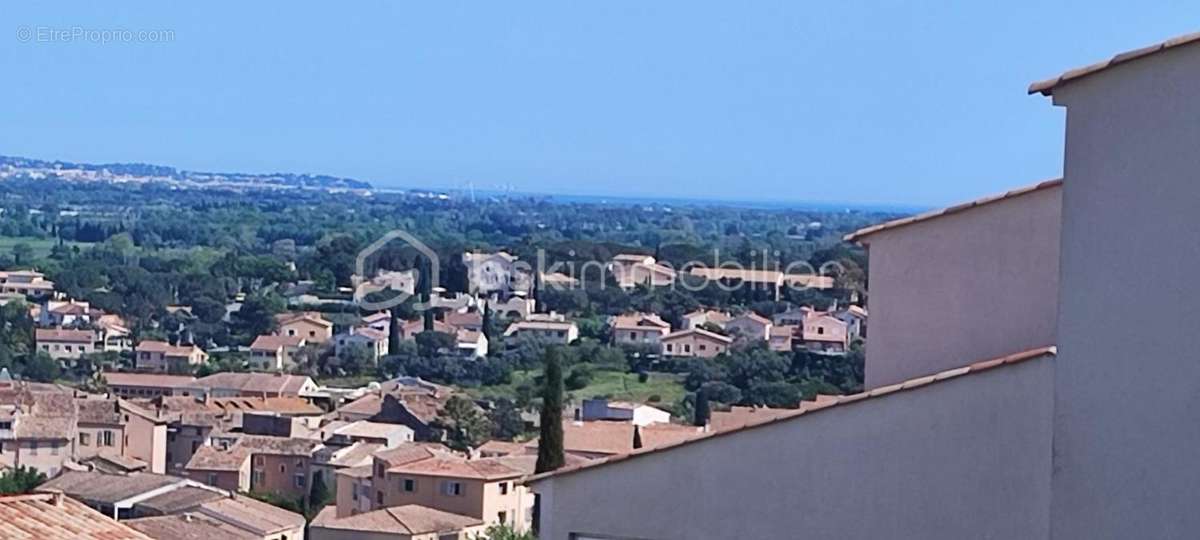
(64, 343)
(695, 342)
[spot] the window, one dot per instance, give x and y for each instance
(212, 479)
(379, 498)
(633, 335)
(85, 439)
(259, 478)
(312, 333)
(669, 348)
(354, 493)
(33, 448)
(54, 448)
(503, 490)
(298, 480)
(703, 347)
(291, 331)
(409, 485)
(502, 517)
(107, 438)
(452, 489)
(820, 330)
(687, 347)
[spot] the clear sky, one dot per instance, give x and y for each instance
(878, 102)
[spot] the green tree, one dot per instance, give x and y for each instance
(22, 253)
(20, 480)
(550, 446)
(319, 495)
(637, 437)
(465, 426)
(503, 532)
(702, 413)
(394, 332)
(42, 368)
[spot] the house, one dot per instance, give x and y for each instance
(71, 313)
(379, 321)
(792, 317)
(367, 338)
(410, 329)
(638, 329)
(701, 317)
(824, 332)
(308, 325)
(227, 384)
(279, 465)
(631, 270)
(160, 356)
(405, 400)
(855, 318)
(696, 342)
(471, 342)
(560, 332)
(186, 525)
(488, 489)
(495, 273)
(148, 385)
(1049, 423)
(407, 522)
(115, 427)
(515, 307)
(145, 500)
(112, 333)
(558, 280)
(365, 431)
(750, 326)
(639, 414)
(51, 516)
(470, 320)
(782, 338)
(62, 343)
(30, 283)
(274, 352)
(772, 279)
(37, 426)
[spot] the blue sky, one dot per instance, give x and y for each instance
(876, 102)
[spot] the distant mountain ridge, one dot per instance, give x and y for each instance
(20, 167)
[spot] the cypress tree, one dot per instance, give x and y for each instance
(550, 445)
(426, 290)
(637, 437)
(394, 331)
(486, 323)
(702, 410)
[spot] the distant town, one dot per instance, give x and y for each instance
(185, 360)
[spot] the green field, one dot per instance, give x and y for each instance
(614, 384)
(41, 246)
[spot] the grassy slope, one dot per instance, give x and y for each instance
(615, 384)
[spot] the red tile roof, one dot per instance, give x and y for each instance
(859, 235)
(1047, 86)
(813, 407)
(409, 520)
(64, 335)
(52, 516)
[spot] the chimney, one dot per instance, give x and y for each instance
(56, 497)
(187, 518)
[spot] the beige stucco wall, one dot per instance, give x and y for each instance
(964, 287)
(962, 458)
(147, 441)
(95, 438)
(711, 348)
(1126, 429)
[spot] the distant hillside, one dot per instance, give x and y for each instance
(19, 167)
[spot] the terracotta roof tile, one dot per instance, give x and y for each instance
(1047, 86)
(50, 516)
(188, 526)
(410, 520)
